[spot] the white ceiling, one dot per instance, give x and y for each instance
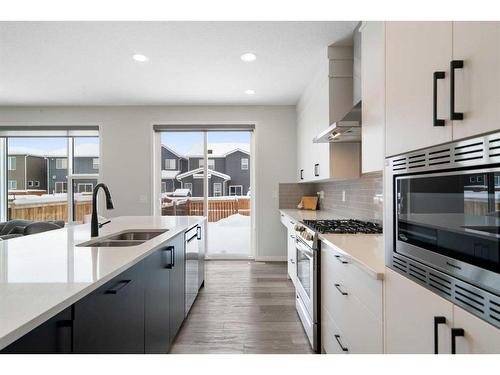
(90, 63)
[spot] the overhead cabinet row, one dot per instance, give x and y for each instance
(442, 82)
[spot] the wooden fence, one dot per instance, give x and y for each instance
(218, 209)
(49, 211)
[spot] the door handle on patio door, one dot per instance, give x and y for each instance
(436, 121)
(454, 64)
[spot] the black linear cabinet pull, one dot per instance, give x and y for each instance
(455, 332)
(119, 286)
(344, 349)
(340, 290)
(341, 260)
(436, 121)
(171, 250)
(316, 170)
(301, 174)
(454, 64)
(437, 321)
(198, 233)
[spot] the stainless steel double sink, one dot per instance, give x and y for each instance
(125, 238)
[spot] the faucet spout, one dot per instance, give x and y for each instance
(94, 224)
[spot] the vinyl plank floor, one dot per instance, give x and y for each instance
(245, 307)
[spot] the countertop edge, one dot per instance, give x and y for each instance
(19, 332)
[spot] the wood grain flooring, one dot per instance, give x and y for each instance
(245, 307)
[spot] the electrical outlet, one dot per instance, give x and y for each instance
(321, 194)
(343, 195)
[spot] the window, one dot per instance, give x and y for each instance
(85, 187)
(236, 190)
(189, 185)
(211, 164)
(201, 163)
(163, 186)
(497, 181)
(61, 163)
(217, 189)
(244, 164)
(61, 187)
(12, 163)
(37, 183)
(170, 164)
(95, 163)
(12, 185)
(30, 183)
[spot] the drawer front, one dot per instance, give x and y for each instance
(359, 283)
(333, 341)
(284, 219)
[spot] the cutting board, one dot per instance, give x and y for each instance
(309, 203)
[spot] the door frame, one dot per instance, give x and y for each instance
(206, 127)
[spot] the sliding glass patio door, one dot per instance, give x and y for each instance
(209, 173)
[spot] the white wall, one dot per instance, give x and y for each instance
(127, 156)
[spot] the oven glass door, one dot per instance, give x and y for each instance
(453, 214)
(304, 269)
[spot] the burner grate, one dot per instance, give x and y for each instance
(343, 226)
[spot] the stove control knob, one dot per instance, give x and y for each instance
(309, 236)
(299, 228)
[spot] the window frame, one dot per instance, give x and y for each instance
(31, 183)
(9, 167)
(211, 161)
(9, 183)
(84, 184)
(220, 190)
(188, 183)
(246, 164)
(235, 186)
(63, 161)
(94, 163)
(63, 190)
(169, 167)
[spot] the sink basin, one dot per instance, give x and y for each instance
(125, 238)
(137, 235)
(112, 243)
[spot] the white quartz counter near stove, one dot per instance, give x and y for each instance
(42, 274)
(365, 250)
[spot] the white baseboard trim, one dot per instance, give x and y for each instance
(279, 258)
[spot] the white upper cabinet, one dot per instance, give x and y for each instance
(477, 84)
(373, 96)
(410, 310)
(414, 52)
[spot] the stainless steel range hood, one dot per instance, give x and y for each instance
(348, 129)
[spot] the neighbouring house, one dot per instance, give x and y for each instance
(228, 169)
(48, 171)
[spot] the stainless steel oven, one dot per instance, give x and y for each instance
(443, 221)
(307, 285)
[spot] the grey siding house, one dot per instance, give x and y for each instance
(228, 171)
(27, 172)
(58, 173)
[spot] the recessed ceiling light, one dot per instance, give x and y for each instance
(249, 92)
(140, 58)
(248, 57)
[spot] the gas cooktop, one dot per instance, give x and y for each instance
(343, 226)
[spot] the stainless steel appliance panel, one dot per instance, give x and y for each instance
(192, 262)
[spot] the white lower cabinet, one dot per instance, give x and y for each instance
(290, 245)
(351, 306)
(418, 321)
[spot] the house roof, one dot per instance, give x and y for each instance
(169, 174)
(172, 151)
(81, 150)
(218, 149)
(200, 170)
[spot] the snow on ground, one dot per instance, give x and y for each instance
(230, 236)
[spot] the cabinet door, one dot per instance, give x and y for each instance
(177, 286)
(52, 337)
(414, 51)
(479, 337)
(373, 94)
(410, 310)
(157, 303)
(292, 255)
(477, 90)
(111, 319)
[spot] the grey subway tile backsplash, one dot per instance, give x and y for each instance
(360, 198)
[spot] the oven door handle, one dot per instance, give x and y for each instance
(303, 249)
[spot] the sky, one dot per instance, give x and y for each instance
(48, 144)
(182, 142)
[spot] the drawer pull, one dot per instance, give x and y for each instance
(344, 348)
(341, 260)
(121, 284)
(340, 290)
(292, 261)
(456, 332)
(292, 236)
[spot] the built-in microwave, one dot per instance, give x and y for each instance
(443, 221)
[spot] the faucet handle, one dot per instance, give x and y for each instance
(103, 224)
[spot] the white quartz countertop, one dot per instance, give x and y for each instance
(42, 274)
(366, 250)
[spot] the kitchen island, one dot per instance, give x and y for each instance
(45, 274)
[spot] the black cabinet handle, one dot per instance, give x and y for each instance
(171, 250)
(316, 170)
(344, 349)
(437, 321)
(301, 174)
(64, 338)
(454, 64)
(198, 233)
(340, 290)
(436, 121)
(455, 332)
(119, 286)
(341, 260)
